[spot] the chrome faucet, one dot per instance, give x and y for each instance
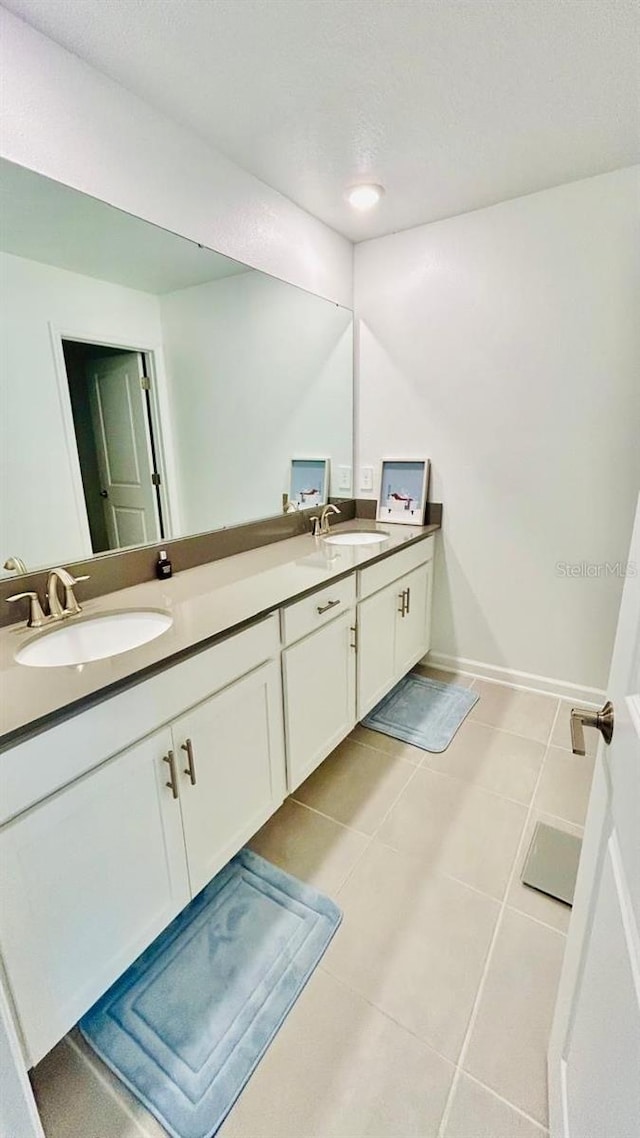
(320, 523)
(37, 617)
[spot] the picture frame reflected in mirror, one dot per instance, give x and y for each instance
(309, 482)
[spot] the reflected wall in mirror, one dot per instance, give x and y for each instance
(150, 388)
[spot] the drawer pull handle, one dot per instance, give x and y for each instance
(173, 779)
(320, 609)
(190, 768)
(402, 597)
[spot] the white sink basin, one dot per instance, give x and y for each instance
(356, 537)
(93, 638)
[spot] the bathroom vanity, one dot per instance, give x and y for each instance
(159, 400)
(149, 770)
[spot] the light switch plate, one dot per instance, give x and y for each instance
(344, 478)
(366, 478)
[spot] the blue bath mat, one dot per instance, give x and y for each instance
(422, 711)
(188, 1022)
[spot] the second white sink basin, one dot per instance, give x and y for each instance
(93, 638)
(356, 537)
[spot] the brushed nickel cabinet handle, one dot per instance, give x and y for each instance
(190, 768)
(320, 609)
(402, 597)
(408, 599)
(354, 643)
(173, 778)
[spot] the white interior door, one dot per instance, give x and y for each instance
(123, 449)
(594, 1054)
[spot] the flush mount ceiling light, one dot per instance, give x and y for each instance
(365, 196)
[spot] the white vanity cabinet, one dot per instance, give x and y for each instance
(89, 878)
(95, 871)
(394, 621)
(113, 819)
(319, 673)
(228, 754)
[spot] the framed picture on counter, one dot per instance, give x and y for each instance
(309, 482)
(404, 488)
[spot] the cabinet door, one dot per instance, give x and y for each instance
(89, 878)
(320, 705)
(237, 767)
(412, 629)
(377, 618)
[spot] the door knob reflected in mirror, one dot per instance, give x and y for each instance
(581, 718)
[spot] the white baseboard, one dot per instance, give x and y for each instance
(526, 681)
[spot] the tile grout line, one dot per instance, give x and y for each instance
(387, 1015)
(414, 771)
(476, 1004)
(518, 1109)
(424, 766)
(327, 817)
(474, 888)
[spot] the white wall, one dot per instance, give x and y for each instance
(42, 514)
(259, 372)
(504, 344)
(66, 120)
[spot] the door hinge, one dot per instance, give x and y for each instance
(145, 383)
(155, 478)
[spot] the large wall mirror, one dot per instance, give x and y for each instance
(150, 388)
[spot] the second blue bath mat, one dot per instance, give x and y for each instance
(424, 712)
(188, 1022)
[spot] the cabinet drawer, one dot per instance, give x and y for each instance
(305, 616)
(384, 572)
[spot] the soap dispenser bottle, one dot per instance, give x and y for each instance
(163, 566)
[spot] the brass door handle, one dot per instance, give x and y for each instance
(190, 768)
(325, 608)
(173, 778)
(602, 720)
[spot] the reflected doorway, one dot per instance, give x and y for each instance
(109, 391)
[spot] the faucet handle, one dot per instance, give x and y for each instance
(71, 606)
(67, 580)
(36, 615)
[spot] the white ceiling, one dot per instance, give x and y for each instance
(45, 221)
(451, 104)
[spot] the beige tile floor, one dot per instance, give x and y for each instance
(430, 1012)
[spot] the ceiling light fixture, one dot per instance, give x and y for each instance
(364, 196)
